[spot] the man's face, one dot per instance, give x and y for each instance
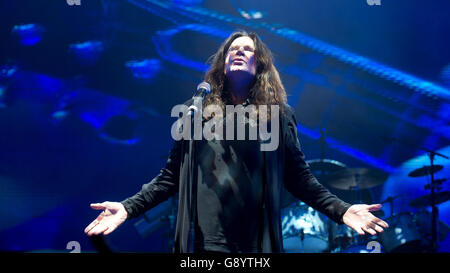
(241, 56)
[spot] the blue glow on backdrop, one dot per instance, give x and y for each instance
(120, 129)
(345, 56)
(2, 96)
(188, 2)
(87, 52)
(6, 71)
(445, 75)
(377, 163)
(28, 34)
(144, 69)
(85, 100)
(162, 41)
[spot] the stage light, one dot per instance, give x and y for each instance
(28, 34)
(87, 52)
(144, 69)
(251, 14)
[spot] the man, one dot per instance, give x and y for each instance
(238, 185)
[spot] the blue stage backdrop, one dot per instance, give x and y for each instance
(87, 88)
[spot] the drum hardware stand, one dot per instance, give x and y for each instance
(356, 192)
(331, 243)
(390, 200)
(434, 186)
(302, 239)
(323, 143)
(358, 200)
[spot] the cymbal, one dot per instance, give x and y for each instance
(425, 200)
(319, 168)
(426, 170)
(390, 199)
(355, 178)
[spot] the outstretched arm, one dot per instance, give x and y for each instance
(299, 180)
(302, 184)
(163, 186)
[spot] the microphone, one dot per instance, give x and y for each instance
(203, 89)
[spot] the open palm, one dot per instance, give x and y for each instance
(113, 215)
(360, 218)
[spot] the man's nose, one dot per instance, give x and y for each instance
(240, 51)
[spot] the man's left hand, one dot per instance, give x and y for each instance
(360, 218)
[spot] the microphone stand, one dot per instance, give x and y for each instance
(171, 220)
(193, 111)
(191, 186)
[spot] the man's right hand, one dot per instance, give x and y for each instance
(113, 215)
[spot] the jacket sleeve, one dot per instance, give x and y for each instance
(299, 180)
(160, 188)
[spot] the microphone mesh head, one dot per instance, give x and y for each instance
(204, 85)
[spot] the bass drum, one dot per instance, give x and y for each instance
(424, 219)
(402, 234)
(304, 230)
(346, 240)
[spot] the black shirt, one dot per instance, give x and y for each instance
(229, 194)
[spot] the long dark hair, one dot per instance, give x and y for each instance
(267, 88)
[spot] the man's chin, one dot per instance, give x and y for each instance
(239, 72)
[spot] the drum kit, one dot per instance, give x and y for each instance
(306, 230)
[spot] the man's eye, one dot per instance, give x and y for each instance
(234, 49)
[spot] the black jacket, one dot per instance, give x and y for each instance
(285, 167)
